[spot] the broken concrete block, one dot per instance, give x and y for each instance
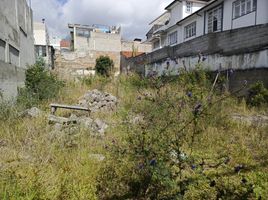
(32, 113)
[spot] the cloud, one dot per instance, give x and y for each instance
(132, 15)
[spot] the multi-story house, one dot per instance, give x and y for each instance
(165, 29)
(191, 19)
(16, 45)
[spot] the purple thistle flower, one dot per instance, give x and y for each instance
(189, 94)
(238, 168)
(193, 167)
(153, 162)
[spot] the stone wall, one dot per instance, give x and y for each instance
(80, 63)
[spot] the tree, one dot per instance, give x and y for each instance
(104, 65)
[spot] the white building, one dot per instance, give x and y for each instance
(165, 29)
(191, 19)
(55, 42)
(42, 44)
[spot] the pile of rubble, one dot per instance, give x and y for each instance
(96, 127)
(255, 120)
(97, 101)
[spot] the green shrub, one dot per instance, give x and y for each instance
(258, 95)
(40, 85)
(104, 65)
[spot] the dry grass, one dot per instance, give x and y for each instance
(36, 163)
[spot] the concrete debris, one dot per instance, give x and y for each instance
(98, 157)
(100, 126)
(74, 122)
(32, 113)
(256, 120)
(52, 119)
(98, 101)
(138, 119)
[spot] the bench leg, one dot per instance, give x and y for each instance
(53, 110)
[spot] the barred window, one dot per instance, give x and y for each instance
(173, 38)
(243, 7)
(189, 6)
(190, 30)
(215, 19)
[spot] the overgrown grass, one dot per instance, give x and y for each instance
(37, 162)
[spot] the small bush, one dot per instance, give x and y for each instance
(40, 85)
(258, 95)
(104, 65)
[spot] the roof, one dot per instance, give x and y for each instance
(161, 19)
(175, 1)
(198, 11)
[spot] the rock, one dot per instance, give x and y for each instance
(86, 122)
(101, 126)
(257, 120)
(32, 113)
(58, 127)
(138, 119)
(52, 119)
(98, 101)
(98, 157)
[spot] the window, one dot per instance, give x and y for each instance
(243, 7)
(2, 50)
(41, 51)
(172, 38)
(215, 19)
(190, 30)
(14, 56)
(156, 44)
(189, 6)
(82, 32)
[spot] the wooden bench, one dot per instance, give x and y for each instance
(54, 108)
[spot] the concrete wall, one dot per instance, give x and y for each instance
(99, 42)
(17, 44)
(260, 16)
(241, 49)
(137, 46)
(40, 34)
(176, 13)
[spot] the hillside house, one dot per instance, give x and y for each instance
(191, 19)
(164, 30)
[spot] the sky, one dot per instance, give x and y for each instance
(132, 15)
